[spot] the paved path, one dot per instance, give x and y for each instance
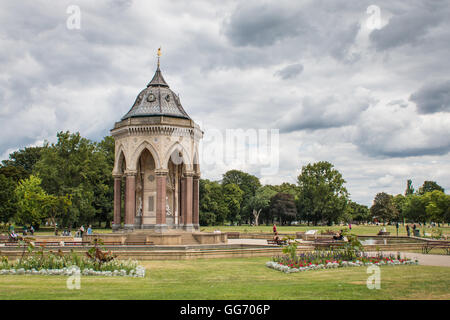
(437, 260)
(424, 259)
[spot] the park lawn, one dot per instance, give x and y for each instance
(239, 278)
(356, 229)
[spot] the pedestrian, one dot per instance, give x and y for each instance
(274, 228)
(407, 230)
(81, 231)
(350, 225)
(31, 230)
(89, 230)
(396, 226)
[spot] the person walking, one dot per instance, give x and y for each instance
(396, 227)
(274, 228)
(407, 230)
(81, 231)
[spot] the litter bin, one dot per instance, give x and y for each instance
(417, 233)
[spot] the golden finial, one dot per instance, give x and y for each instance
(159, 54)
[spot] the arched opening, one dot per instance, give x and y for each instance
(176, 169)
(145, 190)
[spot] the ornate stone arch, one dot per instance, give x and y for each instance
(196, 161)
(187, 159)
(135, 158)
(120, 156)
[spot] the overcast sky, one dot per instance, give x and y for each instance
(373, 99)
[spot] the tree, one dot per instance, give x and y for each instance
(232, 196)
(399, 202)
(322, 195)
(409, 188)
(248, 184)
(8, 203)
(213, 209)
(282, 205)
(24, 158)
(383, 207)
(14, 173)
(357, 212)
(30, 197)
(414, 208)
(429, 186)
(437, 205)
(55, 207)
(260, 201)
(78, 167)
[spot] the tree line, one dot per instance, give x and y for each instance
(66, 183)
(69, 183)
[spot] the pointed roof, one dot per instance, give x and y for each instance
(158, 79)
(157, 100)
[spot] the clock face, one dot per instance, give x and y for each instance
(151, 97)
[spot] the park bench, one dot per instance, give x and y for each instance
(138, 243)
(277, 242)
(329, 243)
(233, 235)
(429, 245)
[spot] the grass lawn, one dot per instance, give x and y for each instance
(356, 229)
(247, 278)
(359, 230)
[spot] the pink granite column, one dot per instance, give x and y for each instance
(161, 177)
(130, 204)
(183, 201)
(196, 202)
(187, 225)
(117, 202)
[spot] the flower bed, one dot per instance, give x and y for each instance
(288, 265)
(96, 262)
(67, 267)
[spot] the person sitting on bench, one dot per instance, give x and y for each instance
(338, 236)
(276, 237)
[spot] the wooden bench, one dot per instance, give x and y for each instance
(138, 243)
(233, 235)
(429, 245)
(277, 242)
(329, 243)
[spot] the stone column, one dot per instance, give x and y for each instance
(161, 176)
(183, 200)
(117, 202)
(188, 197)
(130, 204)
(196, 202)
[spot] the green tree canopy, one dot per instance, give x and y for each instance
(248, 184)
(429, 186)
(233, 195)
(78, 167)
(414, 208)
(322, 195)
(30, 196)
(383, 207)
(282, 206)
(260, 201)
(8, 205)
